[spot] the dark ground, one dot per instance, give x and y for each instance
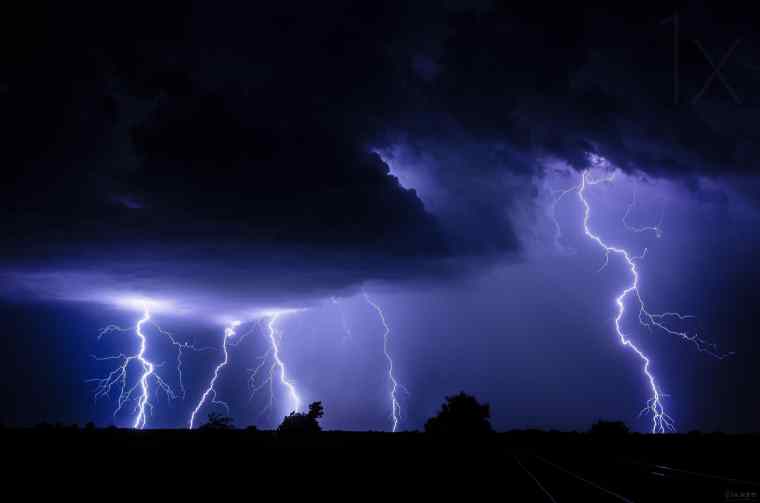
(514, 466)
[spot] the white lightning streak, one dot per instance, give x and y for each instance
(295, 399)
(180, 346)
(119, 375)
(148, 368)
(229, 332)
(395, 386)
(661, 421)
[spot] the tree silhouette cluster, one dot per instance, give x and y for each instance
(461, 414)
(299, 422)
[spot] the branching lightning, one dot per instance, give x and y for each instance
(395, 386)
(229, 332)
(118, 376)
(280, 365)
(661, 421)
(272, 361)
(180, 347)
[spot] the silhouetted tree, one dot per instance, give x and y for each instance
(461, 414)
(316, 411)
(90, 426)
(299, 422)
(218, 421)
(603, 428)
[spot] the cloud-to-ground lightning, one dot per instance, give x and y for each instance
(229, 332)
(119, 375)
(394, 384)
(661, 421)
(279, 364)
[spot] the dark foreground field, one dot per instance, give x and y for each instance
(514, 466)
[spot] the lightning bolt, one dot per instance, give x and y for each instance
(395, 386)
(181, 346)
(661, 421)
(279, 364)
(118, 376)
(229, 332)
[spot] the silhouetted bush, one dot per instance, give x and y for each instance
(461, 414)
(603, 428)
(299, 422)
(218, 421)
(90, 426)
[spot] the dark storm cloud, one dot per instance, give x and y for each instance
(223, 160)
(567, 81)
(194, 138)
(192, 134)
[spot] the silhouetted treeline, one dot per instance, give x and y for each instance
(460, 415)
(458, 444)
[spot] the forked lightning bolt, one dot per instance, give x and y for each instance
(229, 332)
(118, 376)
(280, 365)
(394, 384)
(272, 361)
(661, 421)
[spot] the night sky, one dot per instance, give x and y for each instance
(221, 163)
